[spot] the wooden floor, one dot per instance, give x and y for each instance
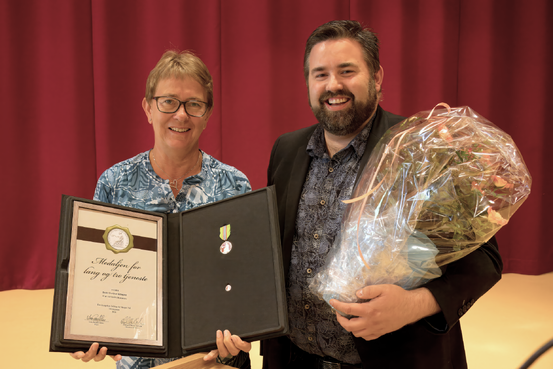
(501, 331)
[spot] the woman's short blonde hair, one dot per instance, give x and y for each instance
(182, 64)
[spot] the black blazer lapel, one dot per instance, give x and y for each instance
(382, 122)
(298, 173)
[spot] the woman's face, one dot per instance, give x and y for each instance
(177, 131)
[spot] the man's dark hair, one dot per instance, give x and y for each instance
(338, 29)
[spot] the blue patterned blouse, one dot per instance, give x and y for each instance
(134, 183)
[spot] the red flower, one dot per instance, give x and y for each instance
(500, 182)
(475, 186)
(495, 217)
(444, 133)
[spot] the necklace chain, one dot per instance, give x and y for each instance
(174, 183)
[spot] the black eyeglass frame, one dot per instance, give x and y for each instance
(183, 103)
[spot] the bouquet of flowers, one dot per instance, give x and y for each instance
(436, 187)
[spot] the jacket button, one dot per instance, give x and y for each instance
(316, 236)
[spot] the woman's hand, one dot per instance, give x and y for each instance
(94, 354)
(228, 345)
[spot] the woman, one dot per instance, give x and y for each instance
(175, 175)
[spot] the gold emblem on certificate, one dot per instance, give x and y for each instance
(118, 239)
(224, 234)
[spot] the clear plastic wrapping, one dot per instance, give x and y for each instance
(437, 186)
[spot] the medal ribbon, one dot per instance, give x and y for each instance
(224, 232)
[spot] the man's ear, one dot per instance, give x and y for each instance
(378, 79)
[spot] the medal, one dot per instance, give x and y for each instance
(118, 239)
(224, 233)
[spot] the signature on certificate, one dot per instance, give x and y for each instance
(129, 322)
(96, 319)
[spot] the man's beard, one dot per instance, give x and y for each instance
(346, 121)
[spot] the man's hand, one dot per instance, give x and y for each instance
(228, 344)
(390, 308)
(94, 354)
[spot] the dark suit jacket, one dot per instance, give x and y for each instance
(435, 342)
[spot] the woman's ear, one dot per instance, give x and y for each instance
(147, 109)
(207, 116)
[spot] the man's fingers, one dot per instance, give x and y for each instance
(370, 292)
(344, 307)
(350, 325)
(342, 320)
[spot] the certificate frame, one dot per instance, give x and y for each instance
(178, 287)
(67, 288)
(117, 268)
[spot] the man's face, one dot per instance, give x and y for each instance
(342, 93)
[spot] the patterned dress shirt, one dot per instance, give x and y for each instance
(135, 184)
(313, 325)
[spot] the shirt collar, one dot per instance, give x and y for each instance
(207, 162)
(316, 147)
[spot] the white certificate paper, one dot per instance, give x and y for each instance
(115, 276)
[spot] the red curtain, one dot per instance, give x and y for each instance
(72, 77)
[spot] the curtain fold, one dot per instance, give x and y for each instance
(47, 104)
(73, 78)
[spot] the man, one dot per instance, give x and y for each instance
(313, 170)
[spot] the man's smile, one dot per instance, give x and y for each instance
(337, 103)
(337, 100)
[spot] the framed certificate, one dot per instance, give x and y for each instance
(115, 281)
(161, 285)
